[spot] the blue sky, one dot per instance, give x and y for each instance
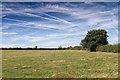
(49, 24)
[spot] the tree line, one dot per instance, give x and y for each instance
(36, 48)
(17, 48)
(102, 48)
(95, 40)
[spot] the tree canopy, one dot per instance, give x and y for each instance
(95, 38)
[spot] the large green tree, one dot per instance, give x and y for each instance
(95, 38)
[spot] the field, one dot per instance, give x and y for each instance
(58, 64)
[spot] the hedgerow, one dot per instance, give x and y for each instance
(109, 48)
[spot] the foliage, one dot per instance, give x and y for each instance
(69, 48)
(109, 48)
(76, 48)
(59, 47)
(32, 49)
(35, 47)
(95, 38)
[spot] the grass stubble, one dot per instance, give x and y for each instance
(58, 64)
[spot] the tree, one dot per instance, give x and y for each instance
(95, 38)
(35, 47)
(59, 47)
(70, 48)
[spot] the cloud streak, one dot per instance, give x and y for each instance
(41, 22)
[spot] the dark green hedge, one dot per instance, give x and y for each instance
(109, 48)
(76, 48)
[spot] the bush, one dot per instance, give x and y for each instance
(109, 48)
(77, 48)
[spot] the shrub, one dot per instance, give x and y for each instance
(108, 48)
(77, 48)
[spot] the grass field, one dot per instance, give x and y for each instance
(59, 64)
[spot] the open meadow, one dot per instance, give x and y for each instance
(58, 64)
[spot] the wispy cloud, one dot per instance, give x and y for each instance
(57, 21)
(28, 38)
(6, 33)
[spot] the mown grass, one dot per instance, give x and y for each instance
(58, 64)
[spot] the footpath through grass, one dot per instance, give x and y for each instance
(59, 64)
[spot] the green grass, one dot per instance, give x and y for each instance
(58, 64)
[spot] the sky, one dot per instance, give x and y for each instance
(53, 24)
